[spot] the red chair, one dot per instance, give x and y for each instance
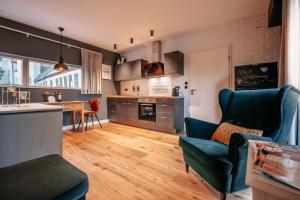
(94, 105)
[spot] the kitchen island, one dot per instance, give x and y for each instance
(29, 132)
(161, 113)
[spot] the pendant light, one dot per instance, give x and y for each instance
(60, 66)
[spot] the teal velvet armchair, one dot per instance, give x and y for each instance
(222, 166)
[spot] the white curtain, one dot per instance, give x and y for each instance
(91, 72)
(290, 57)
(293, 42)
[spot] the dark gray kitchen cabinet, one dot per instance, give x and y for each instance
(130, 70)
(165, 115)
(174, 63)
(112, 109)
(137, 67)
(122, 72)
(122, 110)
(169, 113)
(132, 109)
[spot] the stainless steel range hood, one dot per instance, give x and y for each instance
(156, 67)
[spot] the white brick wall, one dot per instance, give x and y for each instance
(252, 42)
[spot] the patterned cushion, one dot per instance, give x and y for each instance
(224, 131)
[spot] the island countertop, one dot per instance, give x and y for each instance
(32, 107)
(144, 97)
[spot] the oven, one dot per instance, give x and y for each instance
(147, 109)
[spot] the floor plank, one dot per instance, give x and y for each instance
(129, 163)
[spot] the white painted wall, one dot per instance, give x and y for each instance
(249, 38)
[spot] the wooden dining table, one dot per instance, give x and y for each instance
(73, 107)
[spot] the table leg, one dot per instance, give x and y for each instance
(82, 117)
(74, 119)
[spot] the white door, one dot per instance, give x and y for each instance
(209, 73)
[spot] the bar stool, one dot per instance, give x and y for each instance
(94, 105)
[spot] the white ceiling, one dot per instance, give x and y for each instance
(105, 22)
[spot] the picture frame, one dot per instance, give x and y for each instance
(106, 72)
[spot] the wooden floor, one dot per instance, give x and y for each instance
(127, 163)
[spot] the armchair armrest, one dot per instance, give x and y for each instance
(237, 154)
(199, 129)
(239, 143)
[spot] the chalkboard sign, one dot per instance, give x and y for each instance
(260, 76)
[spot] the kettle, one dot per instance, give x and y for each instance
(175, 91)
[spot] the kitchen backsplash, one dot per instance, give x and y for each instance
(161, 86)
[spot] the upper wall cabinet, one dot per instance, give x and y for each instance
(122, 72)
(174, 63)
(130, 70)
(137, 67)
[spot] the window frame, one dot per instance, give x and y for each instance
(25, 71)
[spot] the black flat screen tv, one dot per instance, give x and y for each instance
(259, 76)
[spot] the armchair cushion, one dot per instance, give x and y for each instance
(49, 177)
(225, 130)
(209, 153)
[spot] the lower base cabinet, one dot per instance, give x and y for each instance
(26, 136)
(169, 114)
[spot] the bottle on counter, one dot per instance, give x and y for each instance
(59, 96)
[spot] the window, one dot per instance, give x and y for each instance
(65, 81)
(42, 74)
(60, 82)
(23, 71)
(70, 80)
(76, 80)
(11, 70)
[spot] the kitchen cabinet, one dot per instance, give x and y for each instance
(137, 68)
(122, 72)
(112, 109)
(29, 134)
(174, 63)
(130, 70)
(169, 113)
(165, 115)
(122, 109)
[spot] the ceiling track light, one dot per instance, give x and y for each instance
(115, 46)
(131, 41)
(151, 34)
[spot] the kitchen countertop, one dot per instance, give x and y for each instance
(62, 102)
(144, 97)
(33, 107)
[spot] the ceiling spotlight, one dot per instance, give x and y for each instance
(151, 34)
(115, 46)
(131, 41)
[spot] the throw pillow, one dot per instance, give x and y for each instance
(225, 130)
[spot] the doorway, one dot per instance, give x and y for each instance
(209, 73)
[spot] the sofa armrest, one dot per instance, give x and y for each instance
(237, 154)
(199, 129)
